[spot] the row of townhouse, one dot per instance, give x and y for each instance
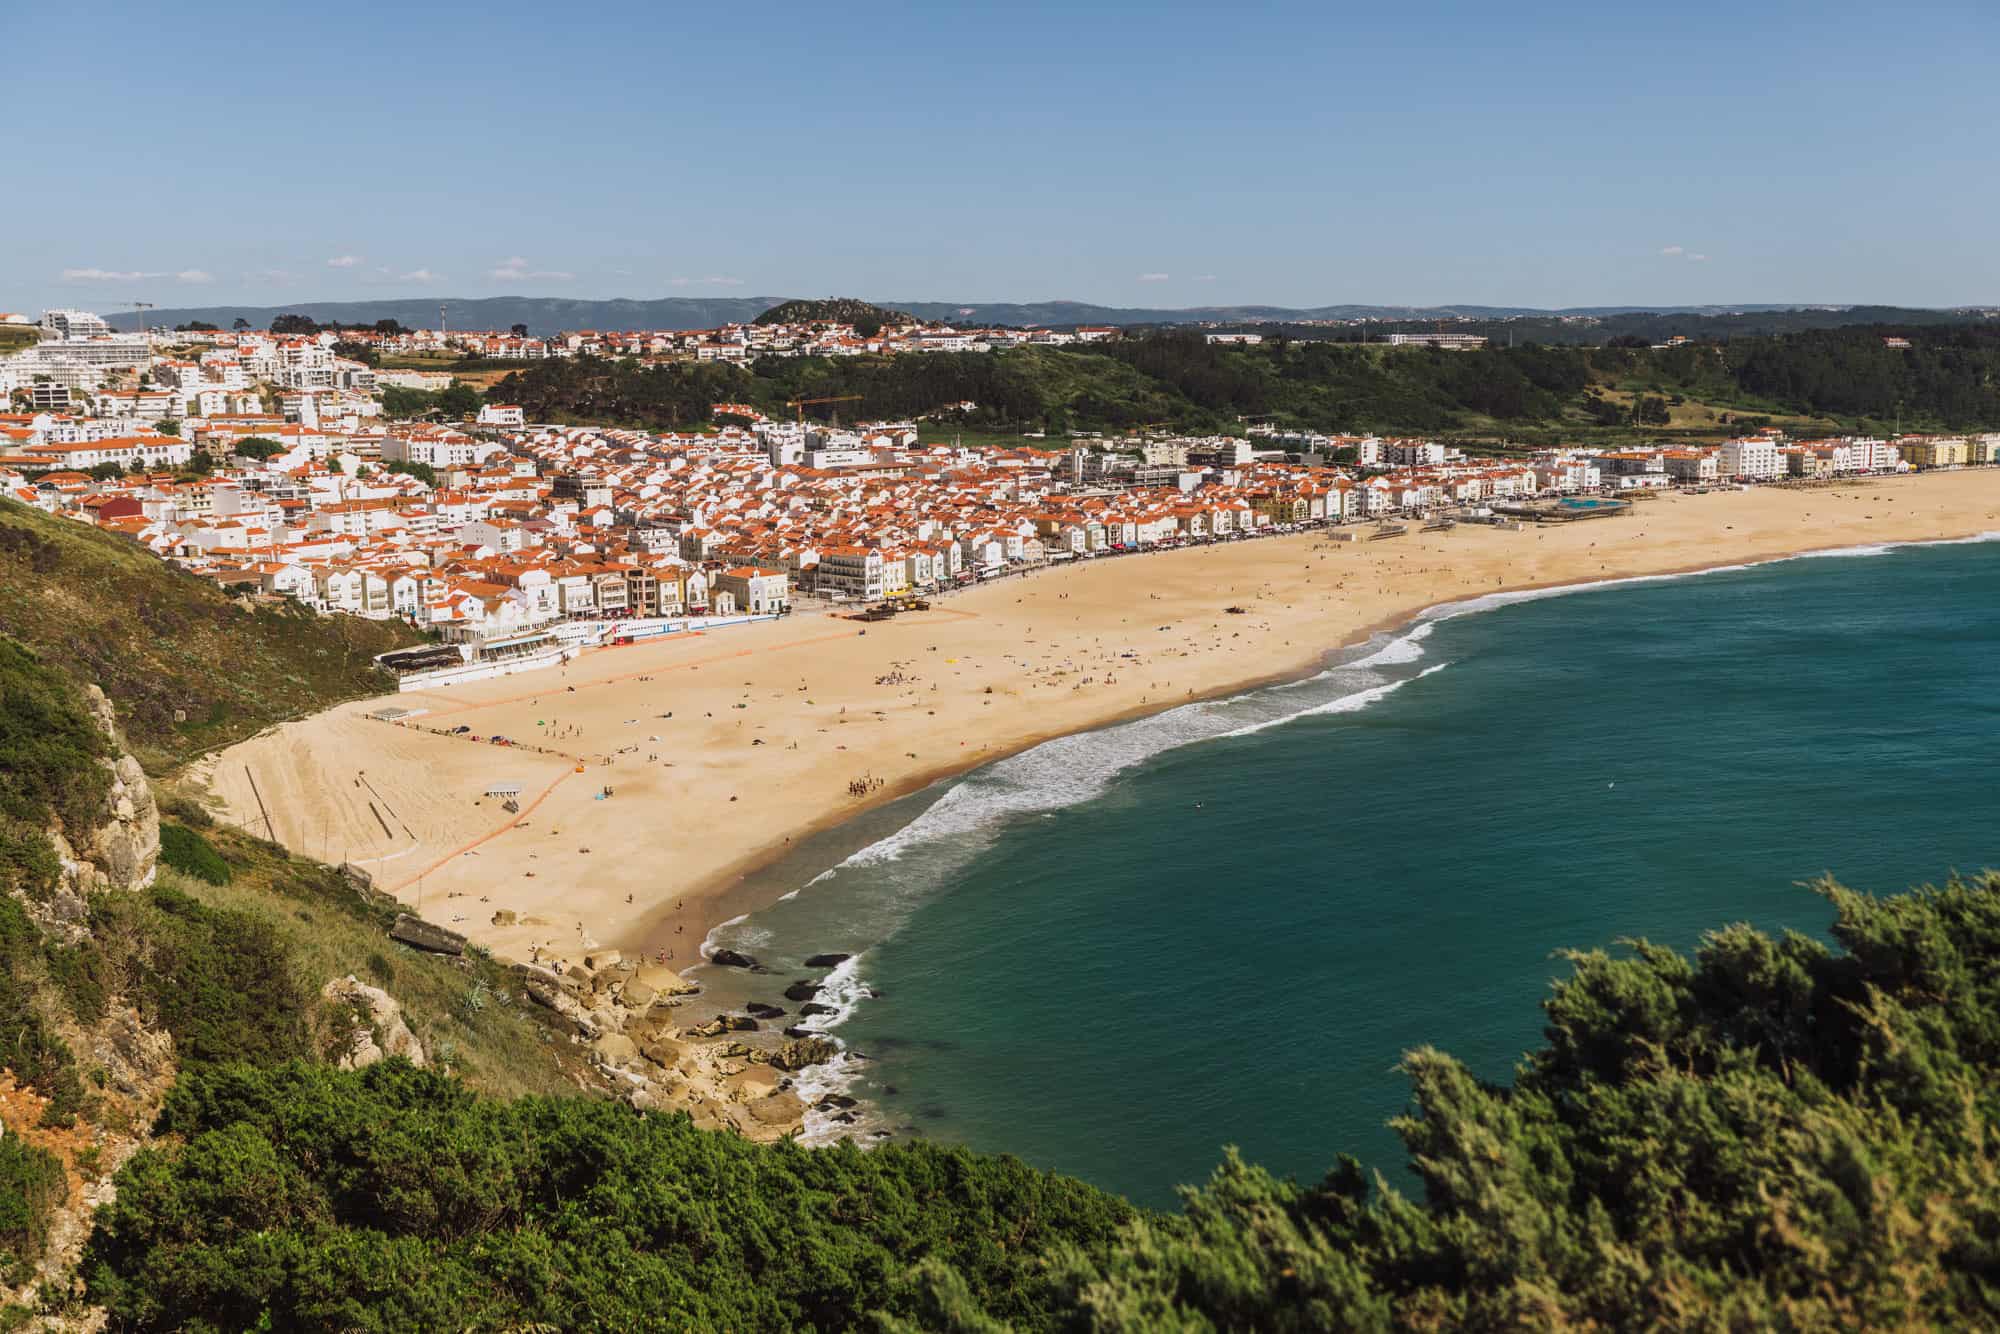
(529, 527)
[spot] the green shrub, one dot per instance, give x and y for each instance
(27, 859)
(49, 745)
(191, 854)
(1771, 1134)
(31, 1187)
(307, 1198)
(49, 770)
(185, 809)
(82, 974)
(222, 982)
(38, 1057)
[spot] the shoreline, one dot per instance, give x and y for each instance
(836, 1109)
(770, 855)
(993, 637)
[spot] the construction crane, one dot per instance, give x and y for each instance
(138, 319)
(801, 404)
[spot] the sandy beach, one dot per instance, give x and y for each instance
(670, 769)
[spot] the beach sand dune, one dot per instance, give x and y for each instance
(718, 749)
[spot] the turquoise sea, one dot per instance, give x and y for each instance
(1118, 952)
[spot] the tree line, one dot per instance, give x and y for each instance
(1948, 377)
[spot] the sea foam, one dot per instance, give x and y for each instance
(909, 864)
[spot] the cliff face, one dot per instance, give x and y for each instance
(124, 850)
(121, 851)
(83, 1135)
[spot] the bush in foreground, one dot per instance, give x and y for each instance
(1773, 1134)
(396, 1199)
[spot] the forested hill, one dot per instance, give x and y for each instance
(834, 310)
(1835, 379)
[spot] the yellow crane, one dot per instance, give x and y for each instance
(801, 404)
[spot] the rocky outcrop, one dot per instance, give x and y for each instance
(827, 960)
(813, 1049)
(616, 1049)
(426, 935)
(664, 981)
(802, 990)
(120, 850)
(781, 1108)
(724, 1073)
(725, 1023)
(379, 1030)
(732, 959)
(124, 848)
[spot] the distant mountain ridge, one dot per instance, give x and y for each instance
(548, 315)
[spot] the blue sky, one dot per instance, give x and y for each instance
(1161, 155)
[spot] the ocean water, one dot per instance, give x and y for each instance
(1118, 952)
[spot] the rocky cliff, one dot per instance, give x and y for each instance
(119, 851)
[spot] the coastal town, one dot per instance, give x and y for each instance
(266, 462)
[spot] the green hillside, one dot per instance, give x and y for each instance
(188, 667)
(1816, 380)
(221, 961)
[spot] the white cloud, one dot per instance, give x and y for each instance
(106, 276)
(1154, 277)
(420, 276)
(1673, 250)
(706, 282)
(1205, 278)
(517, 268)
(1698, 258)
(134, 276)
(343, 261)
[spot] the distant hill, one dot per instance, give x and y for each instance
(834, 310)
(547, 315)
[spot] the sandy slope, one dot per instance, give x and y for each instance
(770, 723)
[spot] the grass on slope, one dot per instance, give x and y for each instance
(468, 1012)
(49, 770)
(188, 668)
